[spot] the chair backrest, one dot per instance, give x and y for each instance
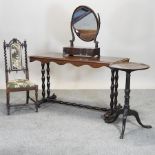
(15, 55)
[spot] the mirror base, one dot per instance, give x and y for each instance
(86, 52)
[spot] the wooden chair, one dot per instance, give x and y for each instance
(15, 55)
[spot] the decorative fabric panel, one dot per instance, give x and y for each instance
(16, 56)
(20, 83)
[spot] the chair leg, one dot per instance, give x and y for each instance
(36, 103)
(8, 103)
(27, 97)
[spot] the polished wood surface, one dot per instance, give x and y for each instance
(132, 66)
(46, 58)
(76, 60)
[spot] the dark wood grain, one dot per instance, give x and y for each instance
(131, 66)
(76, 60)
(80, 51)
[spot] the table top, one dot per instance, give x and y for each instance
(76, 60)
(129, 66)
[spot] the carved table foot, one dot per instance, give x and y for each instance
(53, 97)
(110, 117)
(129, 112)
(136, 115)
(48, 99)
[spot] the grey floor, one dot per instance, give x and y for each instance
(64, 130)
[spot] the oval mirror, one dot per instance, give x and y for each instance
(85, 23)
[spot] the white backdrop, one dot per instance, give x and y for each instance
(127, 30)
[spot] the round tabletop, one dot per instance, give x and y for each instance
(129, 66)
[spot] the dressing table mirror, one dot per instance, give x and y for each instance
(85, 24)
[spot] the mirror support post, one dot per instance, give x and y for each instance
(73, 37)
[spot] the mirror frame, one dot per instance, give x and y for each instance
(73, 29)
(78, 51)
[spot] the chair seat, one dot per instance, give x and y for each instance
(20, 83)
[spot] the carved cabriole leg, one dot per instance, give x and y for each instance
(125, 114)
(136, 115)
(115, 89)
(8, 103)
(132, 112)
(126, 104)
(48, 80)
(43, 80)
(27, 97)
